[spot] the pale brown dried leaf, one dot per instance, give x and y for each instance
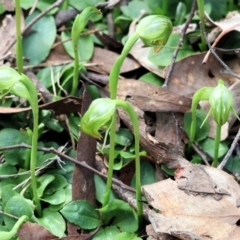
(196, 216)
(230, 23)
(149, 97)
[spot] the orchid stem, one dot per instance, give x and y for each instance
(216, 145)
(34, 105)
(19, 50)
(134, 119)
(114, 75)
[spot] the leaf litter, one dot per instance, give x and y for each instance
(202, 202)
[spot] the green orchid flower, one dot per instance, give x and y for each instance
(154, 31)
(98, 115)
(221, 105)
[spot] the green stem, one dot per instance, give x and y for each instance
(134, 119)
(64, 5)
(19, 50)
(13, 232)
(75, 70)
(201, 16)
(165, 6)
(106, 197)
(216, 145)
(115, 71)
(34, 105)
(113, 82)
(78, 26)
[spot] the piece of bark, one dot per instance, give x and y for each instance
(82, 181)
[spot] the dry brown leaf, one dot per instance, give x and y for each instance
(8, 5)
(33, 231)
(196, 217)
(189, 75)
(58, 56)
(230, 23)
(106, 59)
(149, 97)
(63, 106)
(7, 33)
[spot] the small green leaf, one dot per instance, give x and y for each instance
(167, 170)
(128, 236)
(133, 9)
(164, 57)
(233, 165)
(56, 198)
(122, 215)
(37, 45)
(7, 169)
(148, 174)
(9, 137)
(85, 46)
(152, 78)
(123, 137)
(44, 180)
(81, 213)
(208, 146)
(45, 75)
(100, 186)
(52, 221)
(58, 183)
(107, 233)
(18, 207)
(201, 133)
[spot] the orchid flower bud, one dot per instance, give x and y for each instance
(8, 78)
(10, 81)
(221, 102)
(154, 31)
(99, 114)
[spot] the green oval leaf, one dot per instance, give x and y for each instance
(9, 137)
(81, 213)
(37, 45)
(208, 146)
(201, 133)
(52, 221)
(85, 46)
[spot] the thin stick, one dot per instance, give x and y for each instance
(229, 153)
(62, 155)
(180, 43)
(229, 71)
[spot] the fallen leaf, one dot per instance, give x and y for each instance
(189, 75)
(8, 33)
(230, 23)
(63, 106)
(149, 97)
(195, 217)
(8, 5)
(33, 231)
(106, 59)
(58, 56)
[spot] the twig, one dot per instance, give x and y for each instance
(33, 7)
(62, 155)
(56, 4)
(180, 43)
(229, 71)
(201, 153)
(229, 153)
